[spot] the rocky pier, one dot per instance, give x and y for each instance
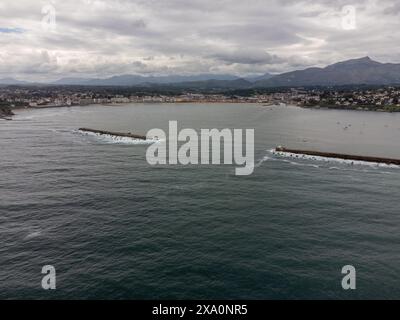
(339, 156)
(112, 133)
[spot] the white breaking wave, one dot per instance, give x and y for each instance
(108, 138)
(33, 235)
(326, 159)
(261, 161)
(302, 164)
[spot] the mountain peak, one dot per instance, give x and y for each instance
(366, 58)
(364, 61)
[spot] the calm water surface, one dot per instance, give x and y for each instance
(115, 227)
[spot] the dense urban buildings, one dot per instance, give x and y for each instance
(374, 98)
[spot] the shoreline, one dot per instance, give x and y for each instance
(262, 104)
(347, 108)
(128, 103)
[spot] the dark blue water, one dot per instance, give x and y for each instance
(115, 227)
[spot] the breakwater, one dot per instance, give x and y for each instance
(112, 133)
(339, 156)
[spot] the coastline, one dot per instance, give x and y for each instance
(128, 103)
(353, 108)
(8, 114)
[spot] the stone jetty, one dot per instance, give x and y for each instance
(339, 156)
(112, 133)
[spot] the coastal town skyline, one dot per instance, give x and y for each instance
(47, 40)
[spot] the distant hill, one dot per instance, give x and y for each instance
(71, 81)
(12, 81)
(265, 76)
(350, 72)
(363, 71)
(213, 84)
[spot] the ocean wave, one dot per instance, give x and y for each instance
(264, 159)
(302, 164)
(33, 235)
(113, 139)
(33, 114)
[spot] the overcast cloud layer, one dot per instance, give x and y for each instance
(46, 40)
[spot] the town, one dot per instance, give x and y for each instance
(385, 98)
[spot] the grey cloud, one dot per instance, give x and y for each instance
(393, 9)
(106, 23)
(106, 37)
(248, 56)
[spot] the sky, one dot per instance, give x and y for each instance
(48, 40)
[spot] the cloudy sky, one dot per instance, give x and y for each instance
(46, 40)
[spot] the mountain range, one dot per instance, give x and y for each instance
(134, 80)
(11, 81)
(362, 71)
(351, 72)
